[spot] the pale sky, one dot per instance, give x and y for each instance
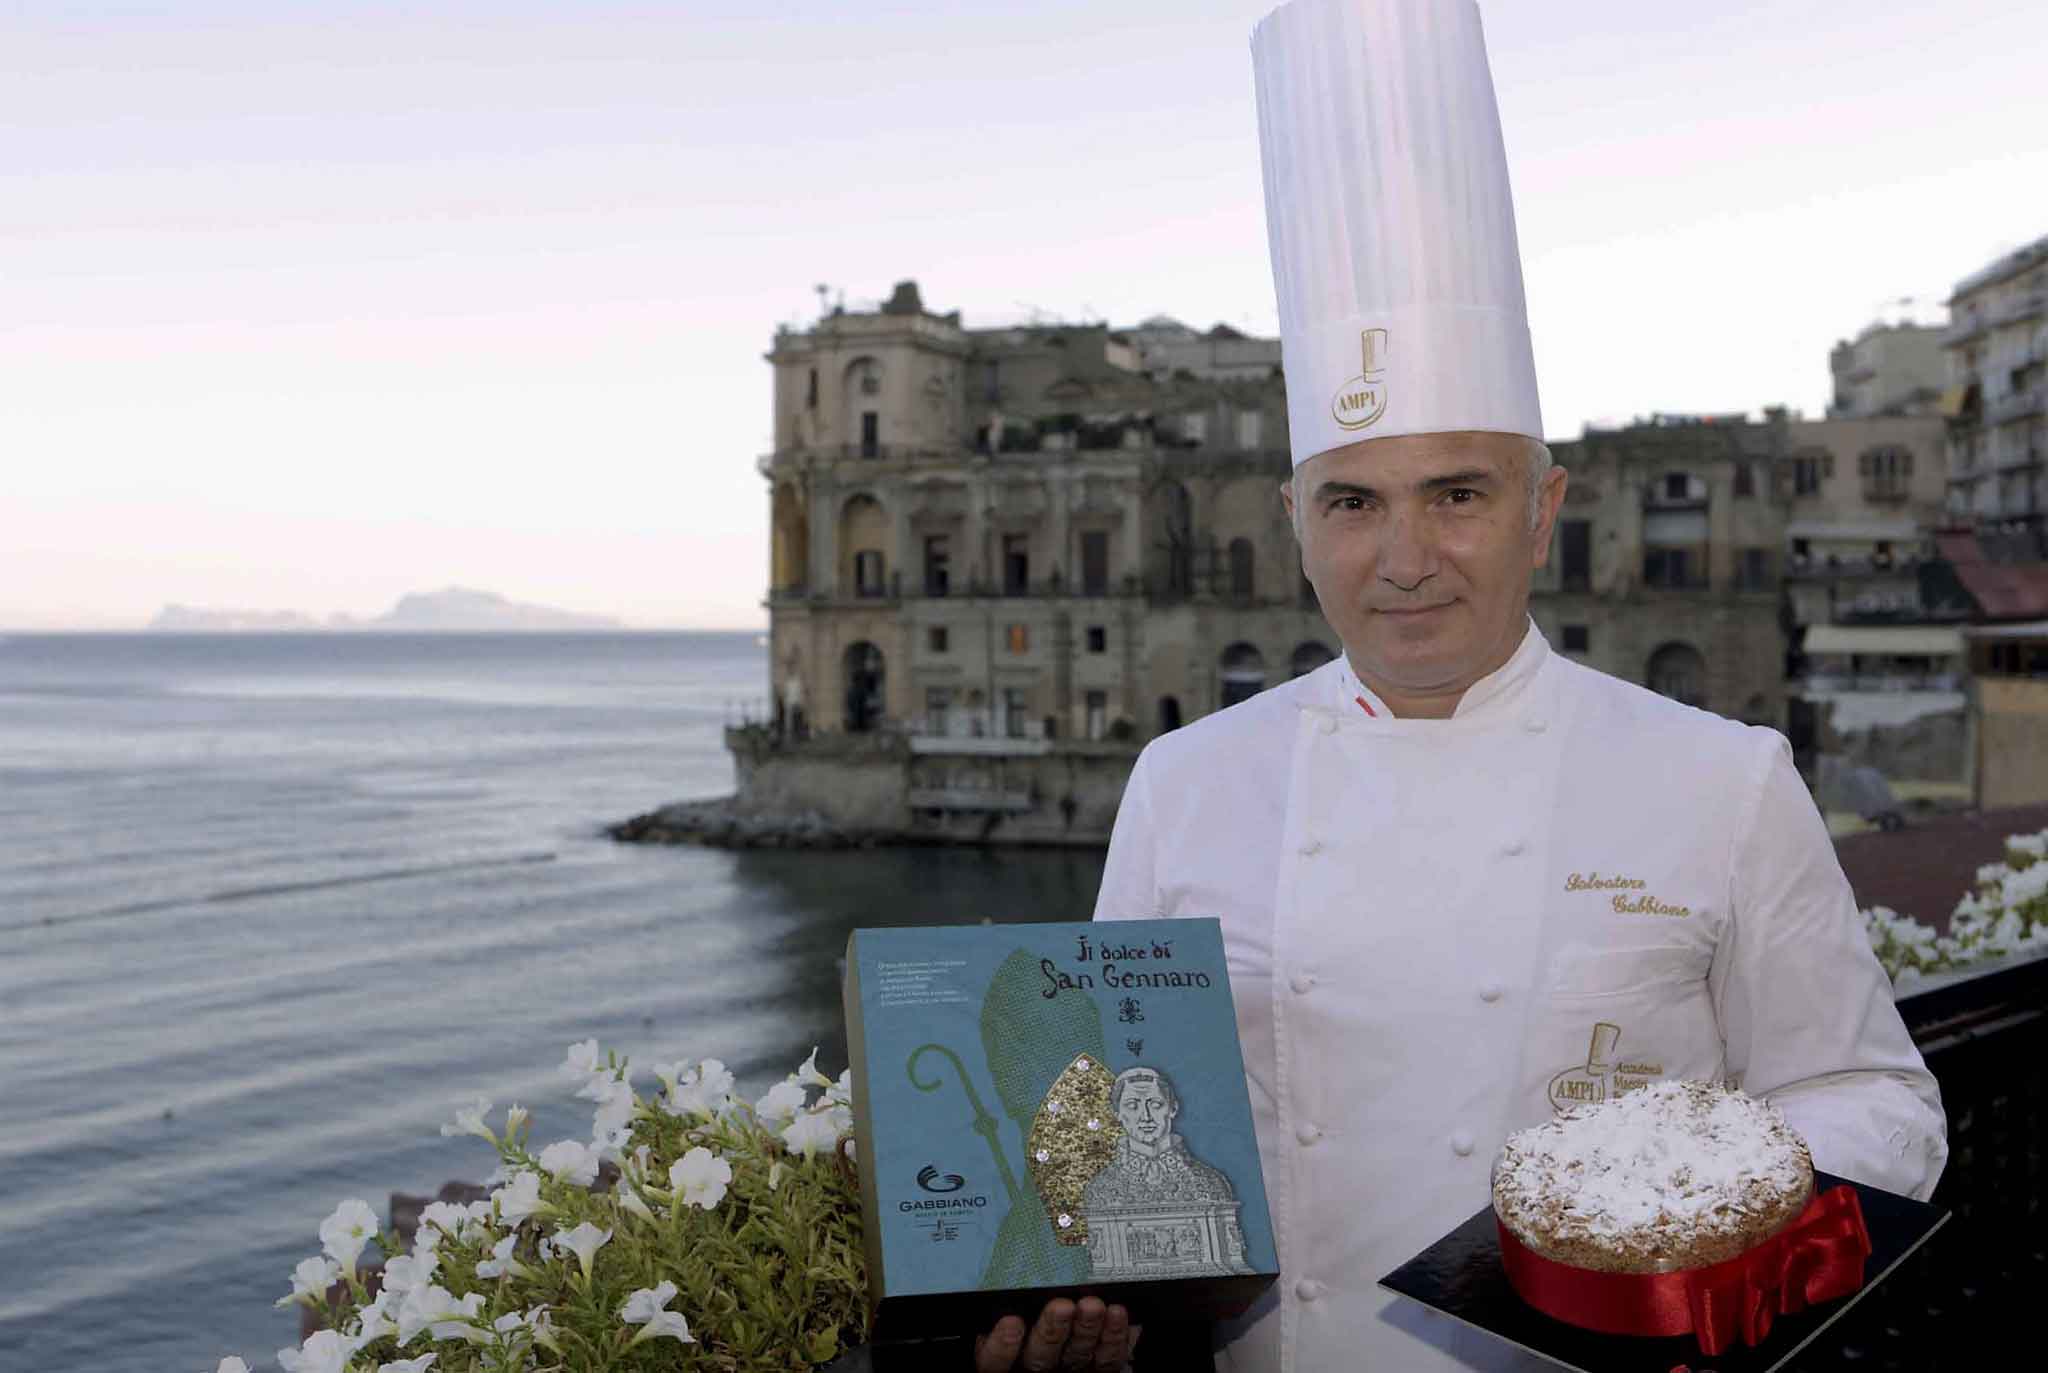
(305, 306)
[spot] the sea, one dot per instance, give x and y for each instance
(273, 906)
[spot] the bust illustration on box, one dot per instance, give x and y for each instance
(1155, 1210)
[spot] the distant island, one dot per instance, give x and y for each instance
(454, 610)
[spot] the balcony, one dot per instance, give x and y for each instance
(2025, 308)
(1806, 567)
(1879, 681)
(2017, 406)
(2014, 457)
(1963, 330)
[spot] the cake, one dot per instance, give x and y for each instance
(1673, 1175)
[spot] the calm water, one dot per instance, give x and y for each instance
(270, 905)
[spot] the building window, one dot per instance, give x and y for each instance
(1806, 476)
(1675, 484)
(938, 707)
(811, 391)
(867, 573)
(1886, 473)
(1576, 552)
(1250, 428)
(1098, 639)
(1098, 713)
(870, 434)
(1756, 569)
(1094, 562)
(1578, 639)
(1678, 569)
(1016, 564)
(1241, 569)
(936, 638)
(991, 383)
(938, 558)
(1194, 428)
(1014, 711)
(1019, 638)
(1678, 671)
(1745, 479)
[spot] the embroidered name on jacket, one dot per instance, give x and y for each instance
(1644, 904)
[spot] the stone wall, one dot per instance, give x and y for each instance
(2012, 750)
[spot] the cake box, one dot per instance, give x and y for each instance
(1052, 1110)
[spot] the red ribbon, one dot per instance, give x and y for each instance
(1817, 1258)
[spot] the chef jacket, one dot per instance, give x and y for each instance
(1442, 931)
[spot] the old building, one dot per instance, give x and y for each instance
(1997, 344)
(1006, 552)
(1888, 369)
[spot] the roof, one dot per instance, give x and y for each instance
(1933, 641)
(1925, 868)
(2003, 591)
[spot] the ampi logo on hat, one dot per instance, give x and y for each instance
(1363, 399)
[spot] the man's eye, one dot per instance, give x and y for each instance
(1348, 503)
(1461, 495)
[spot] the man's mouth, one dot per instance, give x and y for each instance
(1403, 611)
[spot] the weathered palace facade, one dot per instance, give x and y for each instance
(1004, 558)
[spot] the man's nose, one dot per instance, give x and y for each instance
(1408, 556)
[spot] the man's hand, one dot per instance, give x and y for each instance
(1069, 1335)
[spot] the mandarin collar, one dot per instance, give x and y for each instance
(1497, 692)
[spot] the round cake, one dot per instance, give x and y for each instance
(1670, 1176)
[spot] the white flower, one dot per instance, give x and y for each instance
(775, 1172)
(808, 1074)
(641, 1306)
(515, 1117)
(344, 1233)
(231, 1364)
(501, 1261)
(705, 1090)
(630, 1200)
(310, 1281)
(568, 1161)
(699, 1178)
(584, 1241)
(374, 1320)
(582, 1060)
(615, 1105)
(408, 1271)
(470, 1121)
(439, 1219)
(644, 1308)
(815, 1132)
(435, 1311)
(419, 1365)
(840, 1093)
(781, 1104)
(325, 1351)
(520, 1198)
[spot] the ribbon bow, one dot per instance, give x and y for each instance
(1817, 1258)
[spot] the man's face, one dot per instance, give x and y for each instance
(1420, 549)
(1144, 1111)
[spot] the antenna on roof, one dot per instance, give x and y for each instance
(823, 290)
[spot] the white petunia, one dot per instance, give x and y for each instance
(519, 1198)
(582, 1060)
(641, 1307)
(630, 1201)
(808, 1074)
(699, 1178)
(665, 1323)
(374, 1320)
(781, 1104)
(815, 1132)
(408, 1271)
(470, 1121)
(344, 1233)
(584, 1242)
(231, 1364)
(310, 1281)
(501, 1261)
(841, 1092)
(324, 1351)
(435, 1311)
(567, 1160)
(440, 1219)
(705, 1090)
(419, 1365)
(615, 1105)
(515, 1118)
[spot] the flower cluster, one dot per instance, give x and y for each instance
(692, 1230)
(2005, 915)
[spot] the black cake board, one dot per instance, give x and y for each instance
(1461, 1276)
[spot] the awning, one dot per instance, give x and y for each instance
(2033, 629)
(1869, 531)
(1903, 641)
(1956, 399)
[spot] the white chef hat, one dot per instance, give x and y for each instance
(1392, 227)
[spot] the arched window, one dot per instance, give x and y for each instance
(863, 537)
(1174, 543)
(1241, 569)
(1308, 656)
(1678, 671)
(1243, 674)
(792, 537)
(863, 671)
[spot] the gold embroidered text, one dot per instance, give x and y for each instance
(1593, 881)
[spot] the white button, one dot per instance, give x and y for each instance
(1308, 1289)
(1301, 982)
(1513, 848)
(1461, 1143)
(1306, 1133)
(1329, 725)
(1311, 847)
(1490, 991)
(1535, 724)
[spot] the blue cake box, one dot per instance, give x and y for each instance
(1052, 1110)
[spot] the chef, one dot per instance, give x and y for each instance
(1464, 882)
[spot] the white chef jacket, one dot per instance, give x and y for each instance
(1442, 931)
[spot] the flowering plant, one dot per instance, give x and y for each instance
(2006, 914)
(693, 1230)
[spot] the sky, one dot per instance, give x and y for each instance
(308, 306)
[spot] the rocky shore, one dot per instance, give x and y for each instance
(718, 823)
